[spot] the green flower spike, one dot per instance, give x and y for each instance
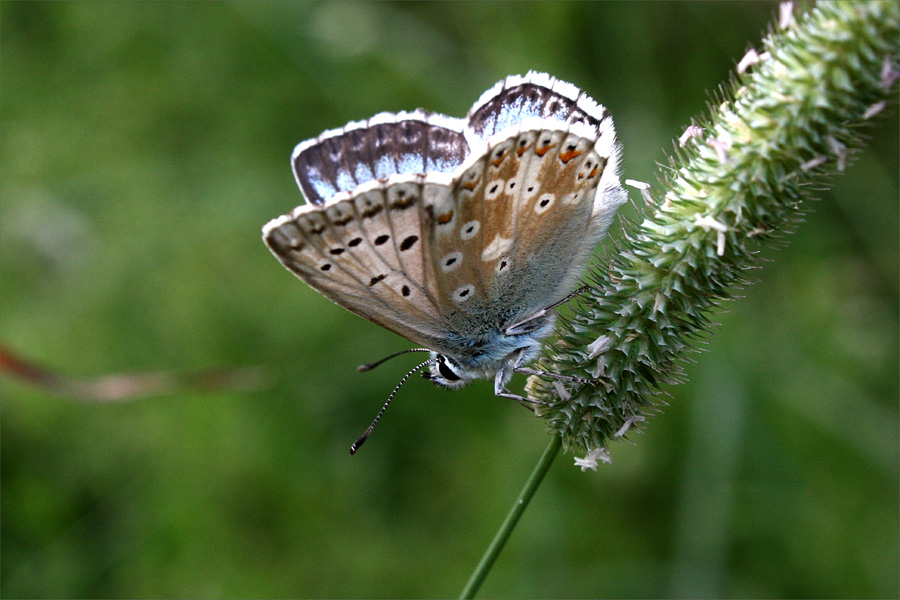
(784, 124)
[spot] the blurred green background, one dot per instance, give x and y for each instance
(143, 147)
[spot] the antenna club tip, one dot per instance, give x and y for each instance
(355, 446)
(362, 368)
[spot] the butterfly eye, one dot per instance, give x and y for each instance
(446, 372)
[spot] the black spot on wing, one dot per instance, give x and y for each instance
(408, 243)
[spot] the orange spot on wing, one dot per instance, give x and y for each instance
(544, 150)
(445, 218)
(567, 156)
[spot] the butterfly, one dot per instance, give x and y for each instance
(461, 235)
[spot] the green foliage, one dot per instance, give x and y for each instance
(144, 145)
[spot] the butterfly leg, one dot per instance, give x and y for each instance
(527, 371)
(502, 378)
(520, 399)
(580, 290)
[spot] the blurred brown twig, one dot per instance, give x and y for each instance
(121, 387)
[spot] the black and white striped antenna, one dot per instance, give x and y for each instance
(362, 439)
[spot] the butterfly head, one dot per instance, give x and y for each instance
(496, 356)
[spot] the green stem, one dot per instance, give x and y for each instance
(506, 529)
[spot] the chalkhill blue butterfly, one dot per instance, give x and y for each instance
(461, 235)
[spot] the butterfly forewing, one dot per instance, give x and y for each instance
(355, 262)
(390, 220)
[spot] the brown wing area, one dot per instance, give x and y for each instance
(366, 254)
(458, 223)
(513, 236)
(554, 227)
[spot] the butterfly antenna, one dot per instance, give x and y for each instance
(371, 366)
(362, 439)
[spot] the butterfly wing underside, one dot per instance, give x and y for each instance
(365, 253)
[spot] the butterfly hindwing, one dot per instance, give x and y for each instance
(554, 231)
(518, 226)
(535, 96)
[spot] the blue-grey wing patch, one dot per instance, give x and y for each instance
(537, 95)
(385, 145)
